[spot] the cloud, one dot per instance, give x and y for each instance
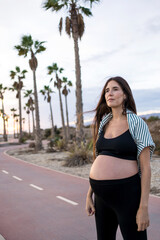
(103, 55)
(153, 25)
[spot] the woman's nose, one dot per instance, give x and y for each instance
(110, 92)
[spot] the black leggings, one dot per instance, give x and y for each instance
(116, 203)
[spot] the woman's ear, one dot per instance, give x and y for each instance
(125, 97)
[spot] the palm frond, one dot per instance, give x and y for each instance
(38, 46)
(64, 79)
(40, 49)
(42, 91)
(11, 89)
(70, 83)
(54, 5)
(64, 91)
(50, 70)
(68, 26)
(61, 70)
(18, 69)
(60, 25)
(86, 11)
(53, 68)
(27, 41)
(24, 71)
(92, 1)
(22, 50)
(80, 25)
(12, 74)
(15, 85)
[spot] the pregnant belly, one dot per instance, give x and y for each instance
(108, 167)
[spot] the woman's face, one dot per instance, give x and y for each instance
(114, 94)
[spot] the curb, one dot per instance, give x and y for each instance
(1, 237)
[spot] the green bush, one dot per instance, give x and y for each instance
(153, 118)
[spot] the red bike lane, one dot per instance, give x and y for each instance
(34, 204)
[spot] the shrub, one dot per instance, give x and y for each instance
(90, 145)
(157, 149)
(78, 156)
(23, 139)
(32, 145)
(50, 146)
(60, 144)
(47, 132)
(153, 118)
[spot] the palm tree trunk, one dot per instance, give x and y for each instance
(14, 127)
(67, 117)
(62, 117)
(52, 119)
(33, 121)
(79, 103)
(17, 128)
(29, 125)
(38, 130)
(4, 124)
(20, 118)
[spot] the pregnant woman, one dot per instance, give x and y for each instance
(120, 174)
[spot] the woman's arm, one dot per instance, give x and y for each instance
(142, 217)
(89, 202)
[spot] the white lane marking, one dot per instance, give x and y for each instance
(34, 186)
(67, 200)
(19, 179)
(5, 172)
(52, 170)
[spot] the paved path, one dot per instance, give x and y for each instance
(42, 204)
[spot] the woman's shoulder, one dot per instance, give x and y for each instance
(134, 117)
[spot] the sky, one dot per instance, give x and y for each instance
(120, 39)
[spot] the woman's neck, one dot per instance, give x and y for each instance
(117, 114)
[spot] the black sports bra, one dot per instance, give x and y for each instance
(122, 146)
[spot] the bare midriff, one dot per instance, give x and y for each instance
(107, 167)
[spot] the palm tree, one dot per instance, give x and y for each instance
(18, 87)
(30, 106)
(58, 84)
(13, 114)
(33, 47)
(65, 92)
(2, 91)
(74, 23)
(46, 92)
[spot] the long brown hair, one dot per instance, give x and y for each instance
(102, 107)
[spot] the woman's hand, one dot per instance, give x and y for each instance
(90, 209)
(142, 218)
